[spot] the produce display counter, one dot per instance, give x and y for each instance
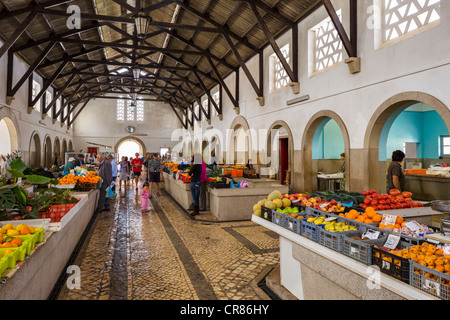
(233, 204)
(428, 187)
(180, 191)
(35, 278)
(311, 271)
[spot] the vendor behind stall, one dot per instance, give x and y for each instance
(80, 161)
(69, 165)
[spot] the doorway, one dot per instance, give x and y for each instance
(284, 160)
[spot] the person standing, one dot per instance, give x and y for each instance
(395, 176)
(195, 173)
(137, 163)
(342, 181)
(114, 171)
(69, 165)
(203, 187)
(104, 172)
(123, 173)
(80, 161)
(155, 173)
(145, 194)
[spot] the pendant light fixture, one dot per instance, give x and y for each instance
(142, 22)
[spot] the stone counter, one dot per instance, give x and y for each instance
(428, 188)
(233, 204)
(180, 191)
(37, 276)
(311, 271)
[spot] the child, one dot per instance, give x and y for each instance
(145, 194)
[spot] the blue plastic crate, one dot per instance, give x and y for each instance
(293, 224)
(279, 219)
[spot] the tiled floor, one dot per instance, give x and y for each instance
(165, 255)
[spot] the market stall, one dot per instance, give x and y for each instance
(332, 251)
(41, 222)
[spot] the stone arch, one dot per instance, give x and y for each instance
(47, 152)
(57, 150)
(70, 146)
(12, 132)
(375, 171)
(35, 150)
(308, 180)
(239, 127)
(143, 149)
(63, 149)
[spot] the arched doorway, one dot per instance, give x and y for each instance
(128, 147)
(9, 140)
(57, 151)
(281, 152)
(48, 153)
(64, 150)
(35, 151)
(310, 165)
(70, 146)
(378, 139)
(239, 149)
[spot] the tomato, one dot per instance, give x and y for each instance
(402, 200)
(17, 218)
(365, 193)
(385, 196)
(420, 205)
(374, 203)
(399, 206)
(393, 206)
(364, 206)
(394, 192)
(383, 202)
(388, 201)
(367, 201)
(407, 194)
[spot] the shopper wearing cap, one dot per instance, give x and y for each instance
(155, 173)
(80, 161)
(104, 172)
(69, 165)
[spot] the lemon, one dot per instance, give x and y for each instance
(2, 231)
(9, 226)
(32, 229)
(20, 227)
(12, 232)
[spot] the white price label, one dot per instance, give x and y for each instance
(296, 201)
(446, 249)
(330, 219)
(389, 219)
(413, 226)
(323, 205)
(392, 241)
(371, 234)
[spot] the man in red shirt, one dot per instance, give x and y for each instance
(137, 163)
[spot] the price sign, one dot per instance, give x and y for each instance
(296, 201)
(371, 234)
(331, 219)
(323, 205)
(392, 241)
(413, 226)
(389, 219)
(446, 249)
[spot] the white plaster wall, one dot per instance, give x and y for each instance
(97, 123)
(28, 124)
(420, 63)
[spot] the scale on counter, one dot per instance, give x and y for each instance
(442, 206)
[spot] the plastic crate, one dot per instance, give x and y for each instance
(436, 284)
(266, 213)
(310, 230)
(360, 250)
(392, 265)
(293, 224)
(30, 241)
(279, 219)
(334, 240)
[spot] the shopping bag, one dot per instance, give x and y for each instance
(109, 193)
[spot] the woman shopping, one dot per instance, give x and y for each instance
(195, 173)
